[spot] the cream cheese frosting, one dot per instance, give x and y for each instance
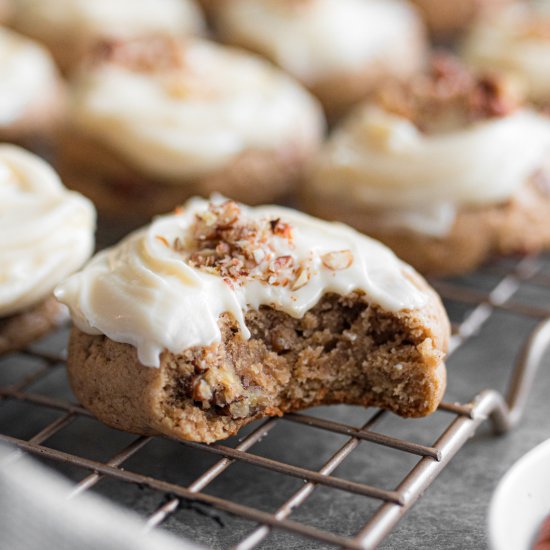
(46, 232)
(509, 42)
(313, 39)
(218, 104)
(108, 18)
(381, 160)
(27, 73)
(144, 292)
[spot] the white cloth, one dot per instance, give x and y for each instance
(36, 515)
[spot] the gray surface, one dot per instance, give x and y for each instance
(451, 515)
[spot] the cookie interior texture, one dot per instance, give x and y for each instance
(344, 350)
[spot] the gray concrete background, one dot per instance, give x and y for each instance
(451, 515)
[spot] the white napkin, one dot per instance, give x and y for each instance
(36, 515)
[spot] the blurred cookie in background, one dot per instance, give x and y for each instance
(154, 122)
(516, 41)
(32, 95)
(6, 10)
(71, 27)
(448, 19)
(46, 234)
(340, 49)
(448, 170)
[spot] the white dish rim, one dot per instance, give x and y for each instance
(516, 529)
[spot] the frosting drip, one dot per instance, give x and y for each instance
(383, 161)
(118, 18)
(27, 73)
(46, 232)
(200, 115)
(315, 38)
(155, 291)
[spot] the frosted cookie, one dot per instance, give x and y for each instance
(447, 170)
(447, 18)
(517, 42)
(46, 234)
(216, 119)
(340, 49)
(71, 27)
(232, 313)
(32, 97)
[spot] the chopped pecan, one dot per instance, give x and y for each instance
(449, 96)
(338, 260)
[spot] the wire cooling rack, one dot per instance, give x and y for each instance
(244, 464)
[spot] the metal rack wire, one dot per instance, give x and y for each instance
(463, 421)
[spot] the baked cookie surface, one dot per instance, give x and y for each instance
(236, 313)
(450, 19)
(20, 329)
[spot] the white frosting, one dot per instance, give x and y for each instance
(198, 118)
(27, 73)
(383, 161)
(46, 232)
(315, 38)
(500, 43)
(143, 293)
(119, 18)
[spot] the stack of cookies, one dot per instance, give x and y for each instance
(215, 314)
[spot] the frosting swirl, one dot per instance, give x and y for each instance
(110, 18)
(152, 292)
(206, 104)
(46, 232)
(313, 39)
(27, 73)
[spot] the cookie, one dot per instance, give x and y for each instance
(515, 41)
(234, 313)
(6, 11)
(447, 20)
(32, 95)
(218, 119)
(20, 329)
(46, 234)
(447, 170)
(518, 225)
(71, 28)
(340, 49)
(125, 196)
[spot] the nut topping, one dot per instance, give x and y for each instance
(337, 261)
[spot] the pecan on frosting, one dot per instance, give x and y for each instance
(223, 241)
(449, 96)
(165, 59)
